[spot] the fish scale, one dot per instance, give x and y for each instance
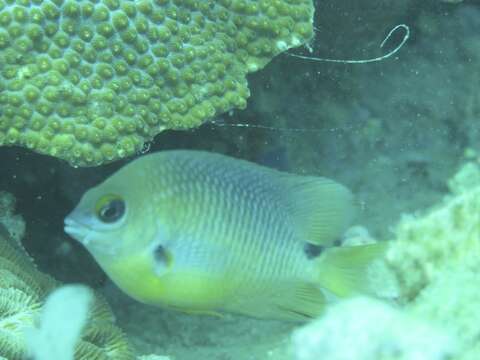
(245, 213)
(237, 200)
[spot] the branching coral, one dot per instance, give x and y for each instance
(91, 81)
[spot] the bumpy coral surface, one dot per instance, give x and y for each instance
(92, 81)
(364, 329)
(447, 237)
(451, 301)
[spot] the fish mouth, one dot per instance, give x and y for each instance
(77, 230)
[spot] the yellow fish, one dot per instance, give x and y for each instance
(204, 233)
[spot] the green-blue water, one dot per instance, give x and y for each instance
(393, 131)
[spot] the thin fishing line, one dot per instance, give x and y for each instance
(366, 61)
(353, 61)
(287, 129)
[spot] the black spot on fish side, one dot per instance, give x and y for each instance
(162, 260)
(338, 242)
(312, 251)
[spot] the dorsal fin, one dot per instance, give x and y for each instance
(321, 208)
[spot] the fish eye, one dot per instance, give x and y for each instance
(110, 208)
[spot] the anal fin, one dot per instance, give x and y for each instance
(290, 301)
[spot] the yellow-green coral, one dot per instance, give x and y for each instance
(92, 81)
(22, 291)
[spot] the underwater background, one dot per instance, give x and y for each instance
(395, 132)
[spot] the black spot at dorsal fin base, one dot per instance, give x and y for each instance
(312, 250)
(338, 242)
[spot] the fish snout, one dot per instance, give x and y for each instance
(75, 230)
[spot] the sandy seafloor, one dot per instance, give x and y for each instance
(393, 131)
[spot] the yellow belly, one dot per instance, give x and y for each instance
(186, 291)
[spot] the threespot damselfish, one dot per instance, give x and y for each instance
(205, 233)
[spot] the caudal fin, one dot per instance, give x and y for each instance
(344, 270)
